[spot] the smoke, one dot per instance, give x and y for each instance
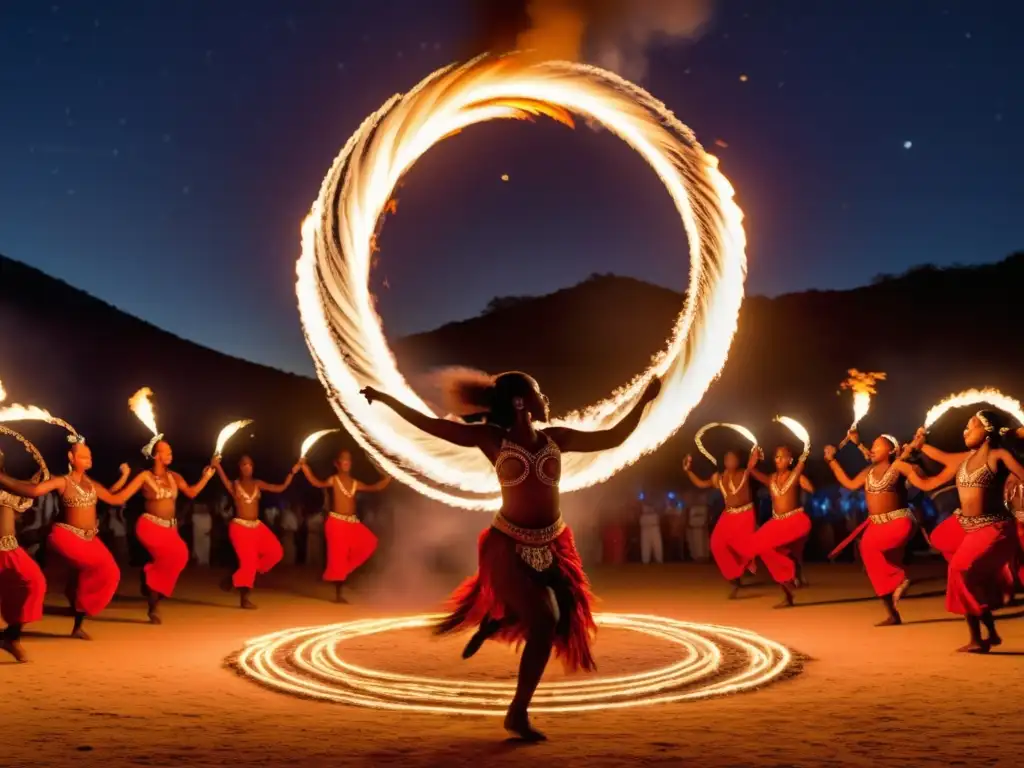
(615, 34)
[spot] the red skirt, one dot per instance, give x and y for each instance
(349, 545)
(478, 597)
(780, 545)
(1020, 552)
(979, 577)
(258, 551)
(97, 574)
(731, 539)
(947, 536)
(22, 587)
(881, 551)
(168, 554)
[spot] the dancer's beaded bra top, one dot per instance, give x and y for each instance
(161, 490)
(76, 497)
(889, 482)
(980, 477)
(545, 464)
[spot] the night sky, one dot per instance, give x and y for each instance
(161, 155)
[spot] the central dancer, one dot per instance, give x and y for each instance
(530, 585)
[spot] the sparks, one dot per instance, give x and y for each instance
(227, 433)
(738, 428)
(310, 441)
(714, 661)
(975, 397)
(141, 404)
(337, 308)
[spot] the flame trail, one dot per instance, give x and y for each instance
(344, 333)
(227, 433)
(799, 431)
(741, 429)
(310, 441)
(141, 404)
(975, 397)
(16, 412)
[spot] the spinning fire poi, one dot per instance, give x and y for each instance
(74, 537)
(157, 527)
(730, 539)
(513, 464)
(257, 548)
(980, 578)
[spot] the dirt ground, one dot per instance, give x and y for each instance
(867, 696)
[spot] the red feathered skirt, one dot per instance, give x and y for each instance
(979, 576)
(516, 562)
(947, 536)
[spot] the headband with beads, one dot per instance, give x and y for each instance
(149, 447)
(893, 441)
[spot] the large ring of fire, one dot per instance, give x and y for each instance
(343, 330)
(714, 661)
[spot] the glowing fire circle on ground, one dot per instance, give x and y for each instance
(713, 661)
(343, 330)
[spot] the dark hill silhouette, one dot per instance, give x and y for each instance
(933, 330)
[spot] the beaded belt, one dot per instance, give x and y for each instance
(737, 510)
(343, 518)
(976, 523)
(532, 544)
(163, 522)
(784, 515)
(888, 517)
(8, 543)
(246, 523)
(79, 532)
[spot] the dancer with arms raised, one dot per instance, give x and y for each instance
(779, 543)
(255, 545)
(75, 537)
(530, 584)
(890, 524)
(732, 533)
(979, 578)
(349, 542)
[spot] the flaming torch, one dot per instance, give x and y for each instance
(17, 412)
(141, 404)
(226, 434)
(310, 441)
(738, 428)
(863, 387)
(797, 429)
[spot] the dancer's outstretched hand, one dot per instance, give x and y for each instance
(371, 394)
(687, 462)
(755, 457)
(830, 452)
(125, 469)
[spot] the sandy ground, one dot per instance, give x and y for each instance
(161, 696)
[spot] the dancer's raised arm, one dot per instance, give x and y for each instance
(281, 487)
(752, 462)
(579, 441)
(840, 475)
(711, 482)
(482, 436)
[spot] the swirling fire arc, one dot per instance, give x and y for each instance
(714, 661)
(343, 330)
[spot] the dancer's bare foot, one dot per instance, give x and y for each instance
(518, 724)
(734, 592)
(787, 600)
(980, 646)
(154, 616)
(246, 603)
(487, 629)
(892, 621)
(900, 591)
(994, 640)
(14, 648)
(80, 634)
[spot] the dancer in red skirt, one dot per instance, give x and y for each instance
(256, 546)
(95, 574)
(780, 542)
(349, 542)
(1013, 495)
(157, 529)
(731, 537)
(22, 585)
(979, 579)
(890, 523)
(530, 585)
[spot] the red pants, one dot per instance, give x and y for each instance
(1020, 552)
(97, 573)
(349, 545)
(22, 588)
(730, 540)
(780, 545)
(258, 550)
(168, 552)
(881, 551)
(979, 578)
(947, 536)
(502, 570)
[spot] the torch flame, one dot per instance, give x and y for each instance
(863, 387)
(987, 395)
(799, 431)
(343, 330)
(227, 433)
(737, 427)
(3, 392)
(141, 404)
(311, 440)
(16, 412)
